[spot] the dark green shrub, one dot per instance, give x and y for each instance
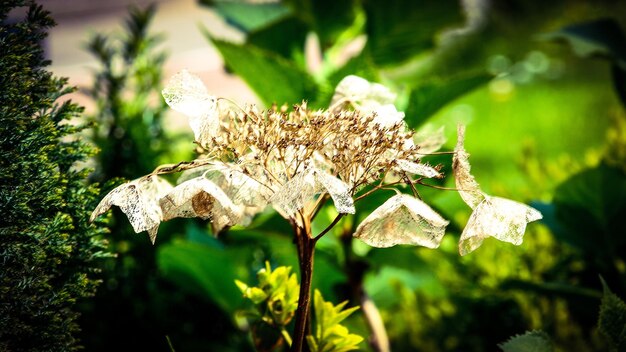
(47, 248)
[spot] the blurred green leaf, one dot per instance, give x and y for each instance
(398, 30)
(612, 319)
(285, 37)
(531, 341)
(619, 82)
(590, 206)
(204, 270)
(427, 98)
(550, 288)
(328, 18)
(273, 78)
(602, 37)
(248, 16)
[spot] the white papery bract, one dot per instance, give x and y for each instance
(368, 97)
(303, 188)
(429, 140)
(417, 168)
(402, 220)
(466, 184)
(139, 200)
(199, 197)
(187, 94)
(496, 217)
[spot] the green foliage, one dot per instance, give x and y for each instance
(601, 38)
(137, 304)
(126, 90)
(330, 335)
(273, 60)
(275, 300)
(531, 341)
(612, 319)
(276, 294)
(48, 251)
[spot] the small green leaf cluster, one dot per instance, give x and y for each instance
(276, 296)
(531, 341)
(330, 335)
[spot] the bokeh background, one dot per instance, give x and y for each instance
(540, 84)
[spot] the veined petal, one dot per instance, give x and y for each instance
(339, 191)
(199, 197)
(303, 187)
(386, 115)
(417, 168)
(465, 183)
(139, 200)
(294, 194)
(402, 220)
(187, 94)
(360, 91)
(428, 140)
(496, 217)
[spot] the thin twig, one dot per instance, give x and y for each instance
(328, 228)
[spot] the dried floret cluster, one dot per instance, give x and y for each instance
(296, 159)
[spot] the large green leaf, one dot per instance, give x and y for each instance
(248, 16)
(590, 206)
(427, 98)
(327, 18)
(398, 30)
(273, 78)
(285, 37)
(205, 270)
(602, 37)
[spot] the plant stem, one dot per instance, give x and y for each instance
(306, 250)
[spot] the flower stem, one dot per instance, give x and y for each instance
(306, 251)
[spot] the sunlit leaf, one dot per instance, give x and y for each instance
(187, 94)
(330, 335)
(402, 220)
(496, 217)
(138, 199)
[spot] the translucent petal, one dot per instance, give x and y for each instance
(429, 140)
(199, 197)
(240, 188)
(303, 187)
(187, 94)
(417, 168)
(402, 220)
(138, 199)
(359, 90)
(294, 194)
(497, 217)
(352, 88)
(465, 183)
(339, 191)
(386, 115)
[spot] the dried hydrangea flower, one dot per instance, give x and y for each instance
(139, 200)
(496, 217)
(402, 220)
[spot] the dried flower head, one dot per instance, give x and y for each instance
(296, 159)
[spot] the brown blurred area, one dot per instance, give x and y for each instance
(180, 21)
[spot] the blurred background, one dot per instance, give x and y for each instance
(541, 86)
